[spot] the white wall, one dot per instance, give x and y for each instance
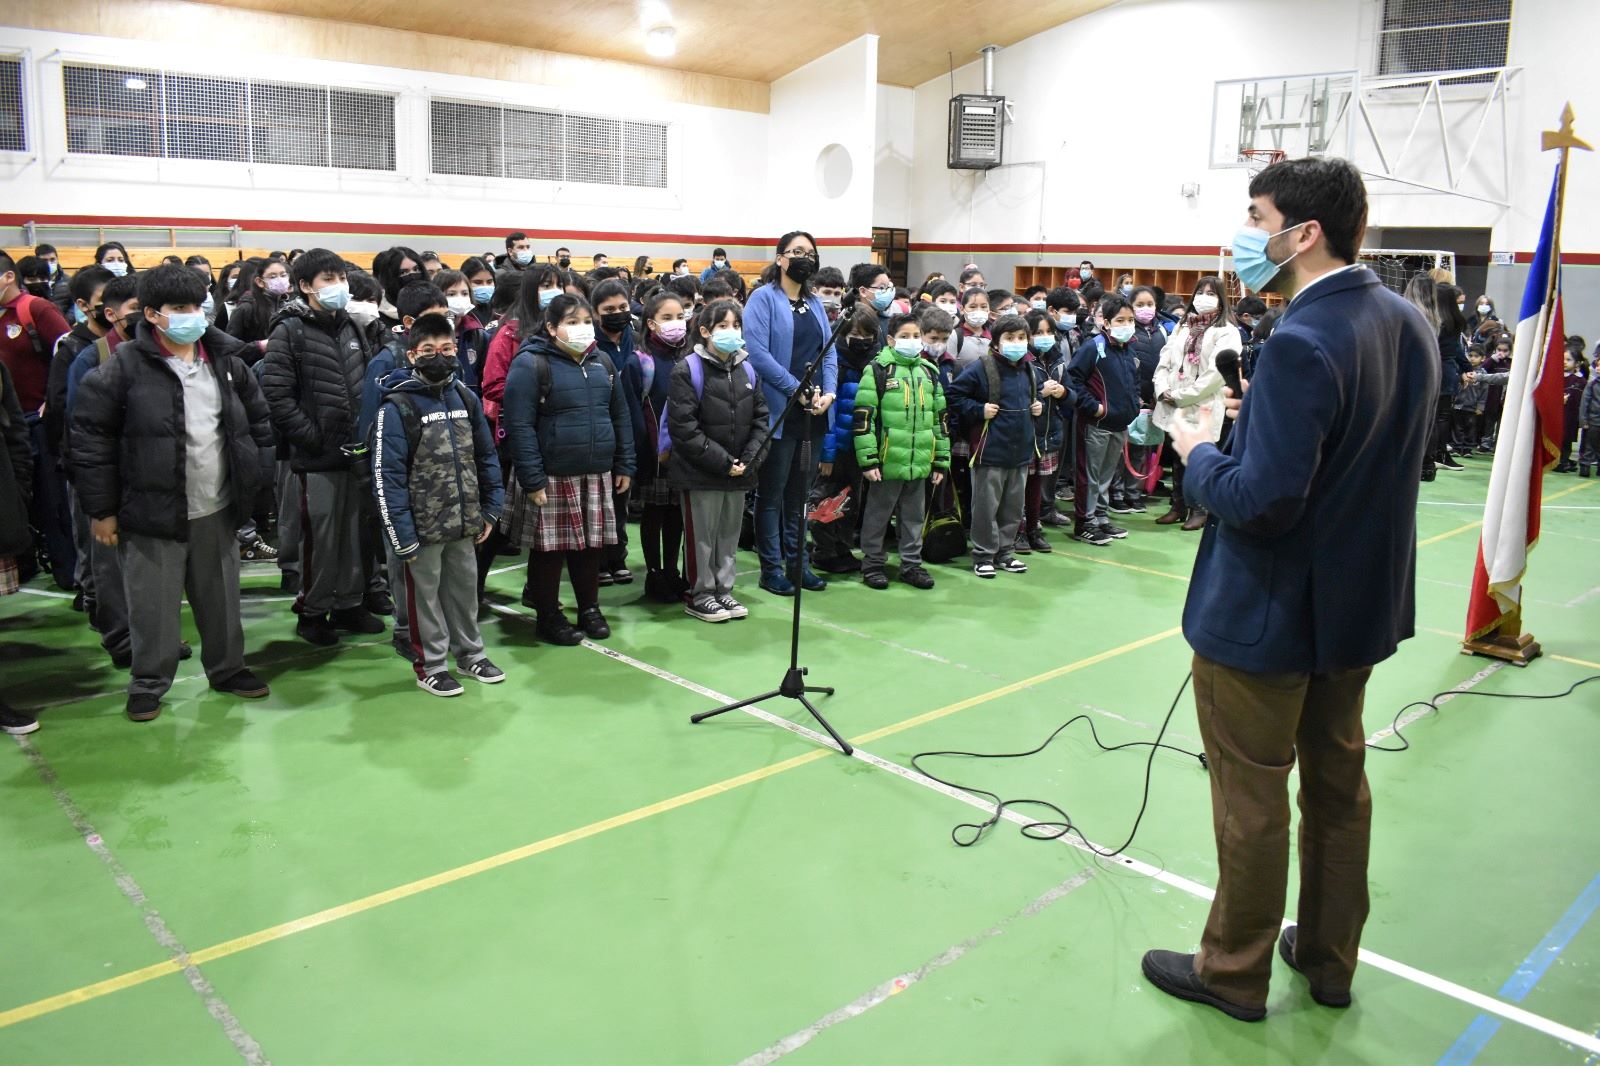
(1155, 62)
(831, 100)
(714, 167)
(892, 162)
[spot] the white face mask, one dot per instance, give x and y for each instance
(1484, 309)
(1037, 305)
(908, 346)
(116, 266)
(364, 312)
(459, 304)
(578, 338)
(937, 348)
(1205, 303)
(977, 319)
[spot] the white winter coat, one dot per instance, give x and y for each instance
(1194, 386)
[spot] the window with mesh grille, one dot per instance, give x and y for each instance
(489, 141)
(1434, 36)
(13, 121)
(162, 114)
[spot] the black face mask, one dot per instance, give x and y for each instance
(615, 321)
(435, 369)
(800, 270)
(102, 320)
(38, 288)
(859, 349)
(409, 277)
(563, 262)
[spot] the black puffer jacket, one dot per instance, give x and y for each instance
(129, 439)
(579, 425)
(315, 367)
(727, 421)
(16, 472)
(252, 319)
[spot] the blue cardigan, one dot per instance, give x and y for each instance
(1308, 564)
(769, 341)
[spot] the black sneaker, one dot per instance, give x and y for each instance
(916, 577)
(606, 580)
(592, 622)
(1114, 532)
(143, 707)
(1037, 542)
(257, 551)
(1092, 535)
(440, 684)
(734, 608)
(875, 578)
(1174, 974)
(486, 671)
(707, 608)
(245, 685)
(1137, 506)
(403, 648)
(1449, 463)
(557, 630)
(356, 620)
(1013, 565)
(316, 629)
(622, 576)
(378, 603)
(1118, 505)
(17, 723)
(1021, 545)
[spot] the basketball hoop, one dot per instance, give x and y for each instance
(1259, 159)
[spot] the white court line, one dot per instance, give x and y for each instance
(1422, 712)
(1546, 507)
(1478, 1000)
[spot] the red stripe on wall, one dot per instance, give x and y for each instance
(291, 226)
(1567, 258)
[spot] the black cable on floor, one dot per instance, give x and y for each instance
(969, 833)
(1433, 705)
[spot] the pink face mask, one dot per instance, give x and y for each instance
(1144, 315)
(671, 332)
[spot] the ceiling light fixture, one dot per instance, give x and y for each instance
(661, 42)
(135, 83)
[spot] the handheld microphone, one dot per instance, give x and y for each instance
(1228, 367)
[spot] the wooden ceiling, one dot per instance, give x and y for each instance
(754, 40)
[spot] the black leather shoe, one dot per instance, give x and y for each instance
(592, 622)
(557, 630)
(875, 578)
(1174, 974)
(1337, 1000)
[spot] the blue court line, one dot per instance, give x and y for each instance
(1516, 989)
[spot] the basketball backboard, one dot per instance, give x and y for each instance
(1300, 115)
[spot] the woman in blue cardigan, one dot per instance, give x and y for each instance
(785, 326)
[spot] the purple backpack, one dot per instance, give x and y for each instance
(697, 377)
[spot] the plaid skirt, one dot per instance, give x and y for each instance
(657, 492)
(1045, 465)
(579, 513)
(9, 574)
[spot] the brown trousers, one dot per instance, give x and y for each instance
(1253, 727)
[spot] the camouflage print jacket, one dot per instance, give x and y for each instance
(434, 467)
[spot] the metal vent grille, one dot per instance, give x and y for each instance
(13, 120)
(488, 141)
(135, 112)
(977, 132)
(1431, 36)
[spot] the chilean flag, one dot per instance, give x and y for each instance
(1529, 441)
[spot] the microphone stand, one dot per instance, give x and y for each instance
(793, 686)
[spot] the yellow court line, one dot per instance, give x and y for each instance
(1575, 662)
(1121, 566)
(1475, 525)
(133, 978)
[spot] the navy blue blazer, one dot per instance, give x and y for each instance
(1308, 564)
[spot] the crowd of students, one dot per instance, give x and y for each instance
(402, 427)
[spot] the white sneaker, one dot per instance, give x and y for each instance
(707, 608)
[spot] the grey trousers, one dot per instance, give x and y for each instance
(1102, 458)
(397, 581)
(288, 519)
(441, 591)
(998, 495)
(111, 598)
(907, 503)
(331, 575)
(711, 520)
(157, 574)
(1128, 485)
(81, 539)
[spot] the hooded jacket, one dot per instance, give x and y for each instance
(727, 421)
(582, 426)
(1008, 438)
(901, 432)
(1105, 372)
(129, 439)
(315, 364)
(434, 468)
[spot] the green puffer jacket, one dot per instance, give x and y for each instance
(899, 420)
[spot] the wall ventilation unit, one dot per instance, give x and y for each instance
(978, 124)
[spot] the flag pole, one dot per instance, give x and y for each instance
(1507, 641)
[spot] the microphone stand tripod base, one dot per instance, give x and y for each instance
(793, 687)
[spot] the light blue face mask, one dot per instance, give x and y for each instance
(334, 296)
(727, 341)
(77, 314)
(882, 298)
(523, 257)
(210, 305)
(482, 294)
(185, 327)
(1043, 342)
(1121, 334)
(116, 266)
(1013, 350)
(546, 295)
(1250, 260)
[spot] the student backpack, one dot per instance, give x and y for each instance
(943, 535)
(697, 377)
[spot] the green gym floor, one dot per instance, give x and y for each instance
(562, 869)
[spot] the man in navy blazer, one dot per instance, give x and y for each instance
(1304, 580)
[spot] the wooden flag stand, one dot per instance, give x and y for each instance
(1506, 641)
